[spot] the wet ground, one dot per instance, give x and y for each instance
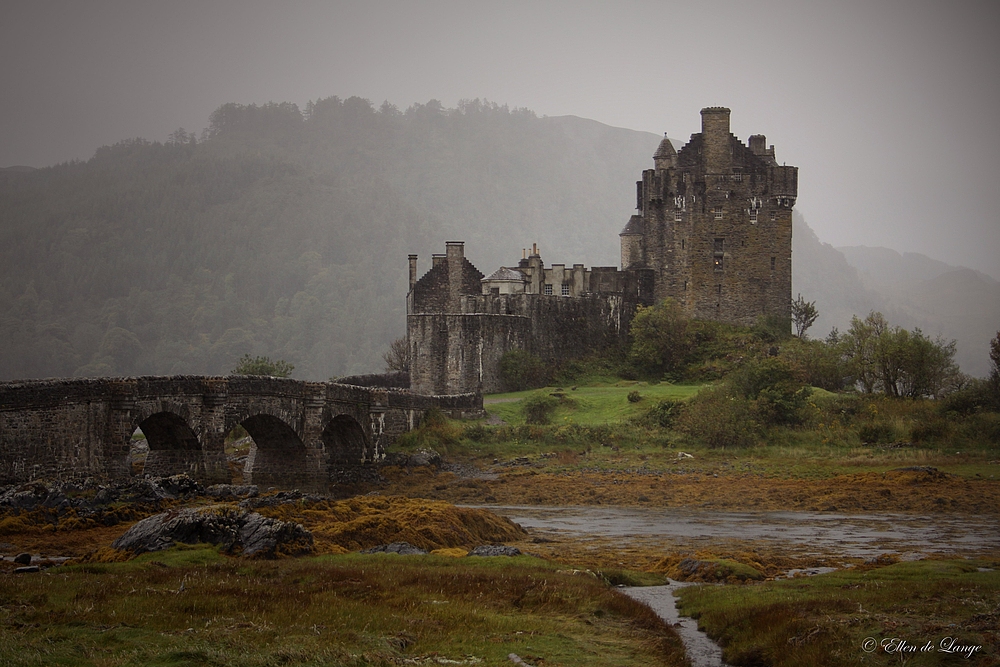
(805, 534)
(701, 651)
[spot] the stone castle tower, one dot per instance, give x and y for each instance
(713, 231)
(713, 228)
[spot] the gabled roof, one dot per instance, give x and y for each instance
(503, 273)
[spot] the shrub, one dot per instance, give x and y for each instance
(719, 418)
(877, 432)
(434, 432)
(538, 409)
(664, 413)
(520, 370)
(778, 396)
(634, 396)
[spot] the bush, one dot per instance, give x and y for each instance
(779, 397)
(434, 432)
(520, 370)
(538, 409)
(664, 413)
(720, 419)
(878, 432)
(634, 396)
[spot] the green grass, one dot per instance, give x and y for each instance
(590, 405)
(824, 620)
(192, 606)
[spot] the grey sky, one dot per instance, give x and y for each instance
(889, 109)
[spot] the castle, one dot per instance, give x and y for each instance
(712, 230)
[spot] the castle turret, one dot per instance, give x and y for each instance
(631, 241)
(665, 156)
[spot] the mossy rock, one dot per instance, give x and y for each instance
(714, 569)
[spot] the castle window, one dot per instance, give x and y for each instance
(685, 286)
(772, 263)
(677, 217)
(495, 291)
(717, 212)
(753, 216)
(548, 289)
(682, 244)
(565, 289)
(717, 261)
(773, 216)
(718, 245)
(718, 289)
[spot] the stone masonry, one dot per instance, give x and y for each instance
(712, 230)
(307, 434)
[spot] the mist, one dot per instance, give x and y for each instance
(888, 107)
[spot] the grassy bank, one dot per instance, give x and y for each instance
(193, 606)
(906, 613)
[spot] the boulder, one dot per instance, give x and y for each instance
(401, 548)
(495, 550)
(27, 569)
(235, 529)
(23, 559)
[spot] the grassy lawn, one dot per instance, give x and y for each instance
(931, 605)
(193, 606)
(589, 405)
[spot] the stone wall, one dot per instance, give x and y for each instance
(76, 428)
(454, 353)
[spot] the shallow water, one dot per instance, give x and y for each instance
(808, 533)
(701, 651)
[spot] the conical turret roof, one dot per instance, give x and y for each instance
(665, 150)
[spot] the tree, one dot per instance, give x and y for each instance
(660, 340)
(263, 366)
(804, 314)
(397, 359)
(994, 376)
(895, 361)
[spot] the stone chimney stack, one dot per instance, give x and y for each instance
(718, 154)
(413, 271)
(455, 256)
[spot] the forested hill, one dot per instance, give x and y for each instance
(285, 232)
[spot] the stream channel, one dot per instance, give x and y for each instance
(819, 534)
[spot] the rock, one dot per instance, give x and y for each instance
(23, 559)
(263, 536)
(495, 550)
(232, 491)
(425, 457)
(401, 548)
(235, 529)
(27, 569)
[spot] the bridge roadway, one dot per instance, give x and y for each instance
(308, 434)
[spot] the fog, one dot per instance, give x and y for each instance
(888, 108)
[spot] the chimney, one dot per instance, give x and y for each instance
(413, 271)
(436, 259)
(718, 154)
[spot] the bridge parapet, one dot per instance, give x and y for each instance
(306, 434)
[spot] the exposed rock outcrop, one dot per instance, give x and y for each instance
(235, 529)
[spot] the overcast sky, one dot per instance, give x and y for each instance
(889, 109)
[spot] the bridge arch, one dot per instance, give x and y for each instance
(278, 456)
(174, 446)
(345, 441)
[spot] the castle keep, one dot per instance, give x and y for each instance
(712, 230)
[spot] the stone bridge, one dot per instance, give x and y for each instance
(307, 434)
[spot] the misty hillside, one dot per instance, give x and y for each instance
(941, 299)
(285, 232)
